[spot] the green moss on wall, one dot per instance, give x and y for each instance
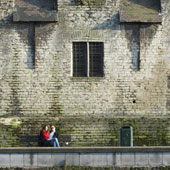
(88, 131)
(91, 2)
(14, 83)
(146, 132)
(105, 132)
(5, 116)
(9, 137)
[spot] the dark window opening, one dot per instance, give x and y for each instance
(96, 59)
(88, 59)
(80, 59)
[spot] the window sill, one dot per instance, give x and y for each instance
(87, 79)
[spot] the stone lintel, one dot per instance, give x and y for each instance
(143, 11)
(35, 11)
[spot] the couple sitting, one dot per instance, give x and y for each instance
(48, 138)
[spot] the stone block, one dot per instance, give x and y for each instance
(4, 160)
(142, 159)
(166, 159)
(44, 159)
(155, 159)
(117, 159)
(73, 159)
(93, 159)
(128, 159)
(17, 160)
(30, 160)
(100, 160)
(58, 159)
(111, 159)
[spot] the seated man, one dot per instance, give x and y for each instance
(53, 137)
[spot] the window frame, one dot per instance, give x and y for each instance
(88, 60)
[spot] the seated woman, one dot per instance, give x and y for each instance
(45, 139)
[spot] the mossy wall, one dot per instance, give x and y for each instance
(91, 2)
(88, 131)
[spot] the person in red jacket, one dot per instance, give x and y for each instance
(45, 132)
(44, 137)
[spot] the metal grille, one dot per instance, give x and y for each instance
(80, 59)
(96, 52)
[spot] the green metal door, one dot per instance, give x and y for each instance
(126, 136)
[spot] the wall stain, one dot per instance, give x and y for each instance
(14, 107)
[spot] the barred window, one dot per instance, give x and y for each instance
(88, 59)
(79, 59)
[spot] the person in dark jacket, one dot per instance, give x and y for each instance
(54, 137)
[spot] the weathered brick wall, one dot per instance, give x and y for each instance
(90, 109)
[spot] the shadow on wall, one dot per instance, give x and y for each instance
(20, 37)
(139, 36)
(25, 34)
(112, 24)
(30, 34)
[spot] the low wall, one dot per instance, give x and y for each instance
(82, 156)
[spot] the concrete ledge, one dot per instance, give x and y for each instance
(85, 156)
(82, 149)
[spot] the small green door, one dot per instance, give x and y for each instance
(126, 136)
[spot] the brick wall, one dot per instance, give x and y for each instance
(47, 91)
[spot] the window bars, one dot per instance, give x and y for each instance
(88, 59)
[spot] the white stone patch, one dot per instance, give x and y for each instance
(10, 121)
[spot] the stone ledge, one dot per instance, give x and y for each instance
(85, 156)
(83, 149)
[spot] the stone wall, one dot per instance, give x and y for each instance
(35, 91)
(102, 158)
